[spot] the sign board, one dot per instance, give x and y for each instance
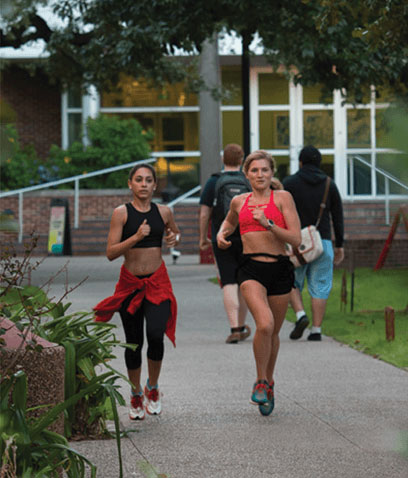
(57, 230)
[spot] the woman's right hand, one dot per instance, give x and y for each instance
(143, 231)
(222, 243)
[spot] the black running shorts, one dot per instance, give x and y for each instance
(277, 277)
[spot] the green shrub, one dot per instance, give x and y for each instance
(90, 397)
(27, 447)
(20, 166)
(114, 141)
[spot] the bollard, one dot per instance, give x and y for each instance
(389, 323)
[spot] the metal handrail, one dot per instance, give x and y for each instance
(74, 179)
(50, 184)
(184, 196)
(387, 178)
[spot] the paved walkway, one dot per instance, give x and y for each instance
(339, 413)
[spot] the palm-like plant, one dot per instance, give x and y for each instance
(27, 447)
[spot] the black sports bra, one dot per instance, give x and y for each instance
(135, 219)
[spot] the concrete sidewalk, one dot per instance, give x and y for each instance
(339, 413)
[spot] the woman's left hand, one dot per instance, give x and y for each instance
(258, 215)
(171, 238)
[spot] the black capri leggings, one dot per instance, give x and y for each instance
(156, 321)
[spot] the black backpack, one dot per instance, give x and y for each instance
(227, 186)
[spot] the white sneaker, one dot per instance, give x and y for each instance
(136, 410)
(152, 401)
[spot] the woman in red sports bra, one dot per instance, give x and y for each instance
(268, 220)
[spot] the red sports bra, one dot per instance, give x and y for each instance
(248, 224)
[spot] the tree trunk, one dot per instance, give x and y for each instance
(210, 112)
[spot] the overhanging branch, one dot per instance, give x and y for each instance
(18, 37)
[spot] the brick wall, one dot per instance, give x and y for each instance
(36, 207)
(37, 104)
(365, 228)
(365, 253)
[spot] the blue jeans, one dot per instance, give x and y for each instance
(319, 273)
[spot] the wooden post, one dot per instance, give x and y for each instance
(351, 268)
(343, 292)
(389, 323)
(401, 213)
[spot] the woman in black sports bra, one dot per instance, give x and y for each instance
(144, 290)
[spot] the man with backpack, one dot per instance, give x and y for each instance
(214, 204)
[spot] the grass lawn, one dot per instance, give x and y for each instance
(364, 328)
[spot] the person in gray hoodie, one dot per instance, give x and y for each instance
(307, 187)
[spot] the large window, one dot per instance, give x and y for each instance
(318, 128)
(284, 118)
(273, 118)
(370, 148)
(171, 113)
(232, 85)
(130, 92)
(274, 129)
(74, 116)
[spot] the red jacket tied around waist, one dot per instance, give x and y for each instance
(156, 289)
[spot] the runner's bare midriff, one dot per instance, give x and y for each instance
(143, 261)
(259, 241)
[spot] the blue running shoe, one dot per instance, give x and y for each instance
(267, 407)
(260, 392)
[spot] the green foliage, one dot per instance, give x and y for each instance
(7, 113)
(337, 43)
(185, 180)
(114, 141)
(27, 447)
(90, 398)
(88, 345)
(364, 328)
(329, 45)
(395, 135)
(20, 165)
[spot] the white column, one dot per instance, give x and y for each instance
(373, 136)
(295, 125)
(90, 109)
(64, 120)
(254, 113)
(340, 143)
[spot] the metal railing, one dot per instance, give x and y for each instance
(75, 179)
(184, 196)
(387, 178)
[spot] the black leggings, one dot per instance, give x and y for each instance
(156, 321)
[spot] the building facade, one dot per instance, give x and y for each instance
(283, 118)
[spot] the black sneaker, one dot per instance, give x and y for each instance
(316, 337)
(300, 326)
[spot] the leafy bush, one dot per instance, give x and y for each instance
(114, 141)
(90, 398)
(87, 345)
(27, 447)
(20, 166)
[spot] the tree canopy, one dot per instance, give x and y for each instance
(342, 44)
